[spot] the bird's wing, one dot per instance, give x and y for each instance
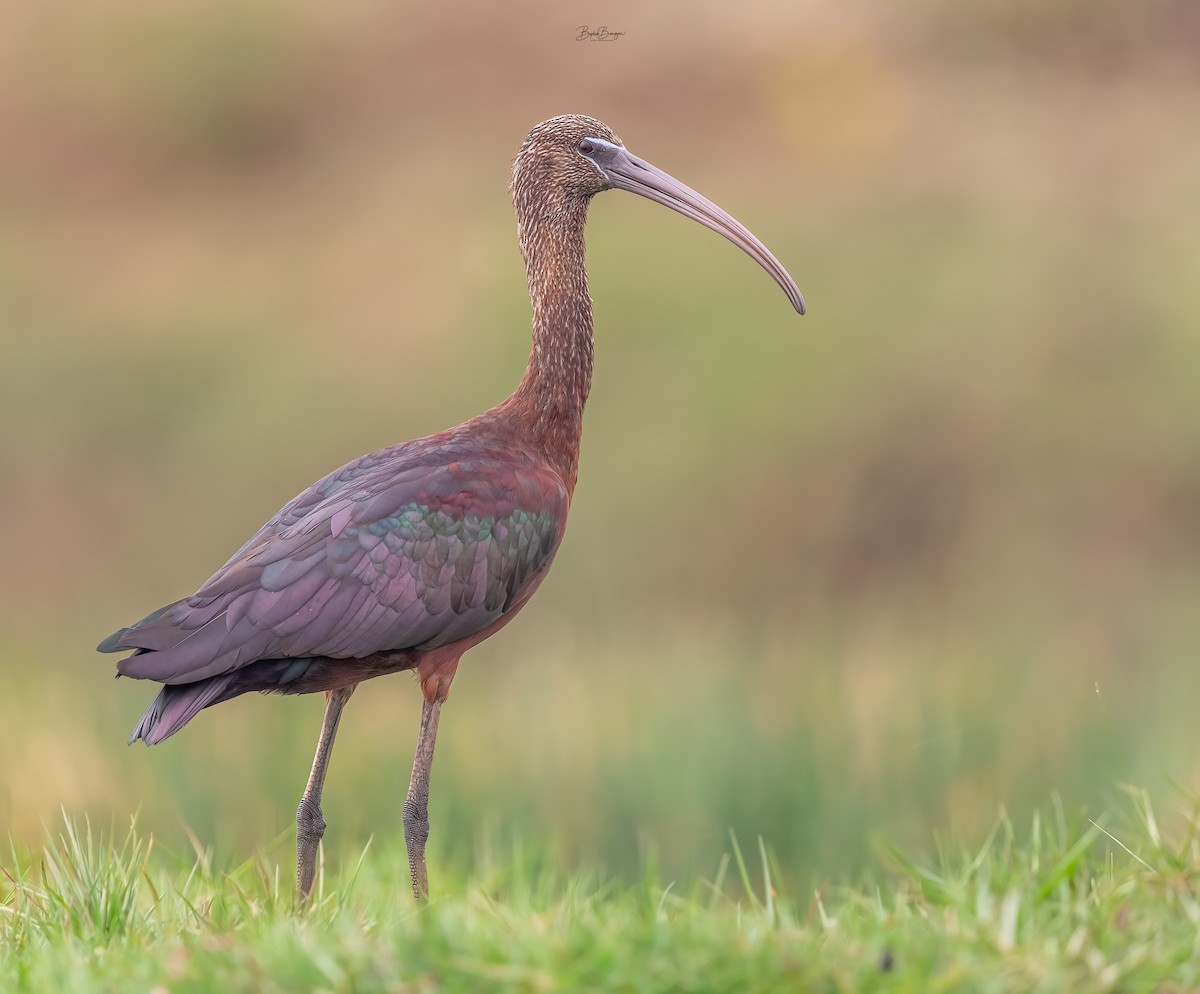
(386, 554)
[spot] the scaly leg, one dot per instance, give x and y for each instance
(416, 804)
(310, 824)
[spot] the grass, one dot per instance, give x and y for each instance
(1065, 905)
(647, 746)
(625, 752)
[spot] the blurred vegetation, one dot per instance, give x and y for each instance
(929, 552)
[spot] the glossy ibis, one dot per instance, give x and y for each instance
(407, 557)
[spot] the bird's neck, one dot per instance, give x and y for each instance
(549, 402)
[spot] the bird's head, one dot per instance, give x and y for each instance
(553, 157)
(567, 160)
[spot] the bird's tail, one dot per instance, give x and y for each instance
(177, 704)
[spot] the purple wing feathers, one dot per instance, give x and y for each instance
(394, 551)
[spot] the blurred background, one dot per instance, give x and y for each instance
(930, 552)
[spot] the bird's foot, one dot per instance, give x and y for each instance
(310, 829)
(416, 834)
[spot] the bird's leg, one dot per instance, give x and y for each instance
(416, 804)
(310, 824)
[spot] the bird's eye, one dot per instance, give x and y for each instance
(586, 147)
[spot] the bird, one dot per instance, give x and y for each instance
(405, 558)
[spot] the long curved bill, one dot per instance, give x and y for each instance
(625, 171)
